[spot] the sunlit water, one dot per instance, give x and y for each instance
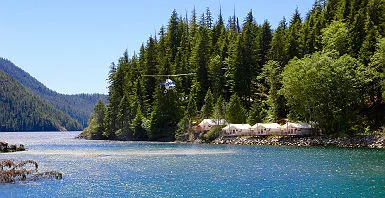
(129, 169)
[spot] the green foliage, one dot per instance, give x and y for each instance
(219, 109)
(192, 110)
(377, 65)
(279, 44)
(265, 40)
(79, 106)
(311, 28)
(96, 126)
(258, 112)
(165, 117)
(294, 34)
(199, 62)
(208, 107)
(234, 110)
(242, 65)
(184, 126)
(275, 101)
(216, 75)
(325, 89)
(243, 60)
(138, 126)
(213, 134)
(335, 37)
(21, 110)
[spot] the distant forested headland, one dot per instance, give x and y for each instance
(325, 68)
(28, 105)
(21, 110)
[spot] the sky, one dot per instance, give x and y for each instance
(69, 45)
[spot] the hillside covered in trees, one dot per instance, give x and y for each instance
(21, 110)
(325, 68)
(79, 106)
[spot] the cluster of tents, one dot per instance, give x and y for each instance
(259, 129)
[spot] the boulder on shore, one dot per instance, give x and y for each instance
(5, 148)
(350, 142)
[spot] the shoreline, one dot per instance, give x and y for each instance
(368, 141)
(358, 141)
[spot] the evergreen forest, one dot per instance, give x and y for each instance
(79, 106)
(21, 110)
(325, 68)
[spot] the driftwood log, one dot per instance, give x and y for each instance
(12, 171)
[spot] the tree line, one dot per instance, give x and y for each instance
(79, 106)
(325, 68)
(21, 110)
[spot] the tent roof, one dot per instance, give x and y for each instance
(213, 122)
(238, 126)
(267, 125)
(299, 125)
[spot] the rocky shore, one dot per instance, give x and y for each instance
(5, 148)
(369, 141)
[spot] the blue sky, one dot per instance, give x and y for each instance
(69, 45)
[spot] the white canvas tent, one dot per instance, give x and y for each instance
(266, 129)
(236, 129)
(208, 124)
(291, 128)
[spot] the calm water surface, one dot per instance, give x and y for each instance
(128, 169)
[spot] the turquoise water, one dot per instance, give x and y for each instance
(129, 169)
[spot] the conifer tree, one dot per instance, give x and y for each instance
(96, 126)
(279, 44)
(137, 126)
(246, 61)
(331, 10)
(124, 120)
(243, 61)
(116, 92)
(343, 13)
(369, 44)
(219, 109)
(218, 30)
(377, 65)
(216, 75)
(193, 27)
(265, 41)
(357, 33)
(311, 29)
(199, 62)
(258, 112)
(173, 35)
(149, 69)
(165, 116)
(209, 18)
(294, 35)
(208, 107)
(235, 112)
(276, 102)
(163, 58)
(182, 61)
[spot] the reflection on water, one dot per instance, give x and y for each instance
(126, 169)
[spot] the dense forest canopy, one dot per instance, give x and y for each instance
(79, 106)
(21, 110)
(325, 68)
